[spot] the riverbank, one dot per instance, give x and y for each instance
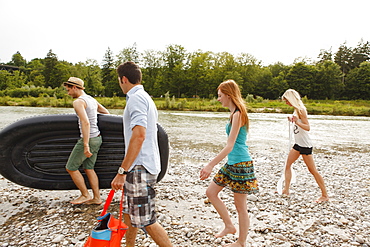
(46, 218)
(30, 217)
(259, 105)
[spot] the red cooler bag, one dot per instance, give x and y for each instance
(109, 231)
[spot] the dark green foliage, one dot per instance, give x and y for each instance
(336, 75)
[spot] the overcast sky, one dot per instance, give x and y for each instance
(269, 30)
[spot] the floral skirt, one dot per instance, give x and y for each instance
(239, 178)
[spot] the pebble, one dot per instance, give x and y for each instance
(46, 218)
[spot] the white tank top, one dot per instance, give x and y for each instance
(92, 114)
(301, 136)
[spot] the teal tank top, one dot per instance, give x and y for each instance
(240, 152)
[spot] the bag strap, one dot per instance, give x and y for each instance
(109, 200)
(121, 209)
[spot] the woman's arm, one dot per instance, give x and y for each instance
(235, 127)
(304, 124)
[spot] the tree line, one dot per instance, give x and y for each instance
(344, 74)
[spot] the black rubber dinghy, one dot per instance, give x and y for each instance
(34, 151)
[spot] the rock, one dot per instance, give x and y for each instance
(58, 239)
(252, 198)
(275, 221)
(280, 236)
(359, 239)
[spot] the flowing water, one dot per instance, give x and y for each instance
(269, 132)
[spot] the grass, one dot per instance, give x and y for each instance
(315, 107)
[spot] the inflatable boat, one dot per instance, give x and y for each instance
(35, 150)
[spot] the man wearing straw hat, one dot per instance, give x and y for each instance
(85, 151)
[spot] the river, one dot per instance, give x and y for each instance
(268, 133)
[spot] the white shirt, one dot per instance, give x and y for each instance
(301, 136)
(92, 114)
(141, 110)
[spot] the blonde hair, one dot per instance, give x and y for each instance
(230, 88)
(295, 100)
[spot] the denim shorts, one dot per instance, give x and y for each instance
(140, 197)
(78, 158)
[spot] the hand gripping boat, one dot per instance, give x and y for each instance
(35, 150)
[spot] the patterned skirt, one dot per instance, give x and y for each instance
(239, 178)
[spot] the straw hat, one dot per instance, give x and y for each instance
(74, 81)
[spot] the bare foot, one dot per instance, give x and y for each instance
(81, 200)
(94, 202)
(224, 232)
(285, 192)
(235, 244)
(322, 199)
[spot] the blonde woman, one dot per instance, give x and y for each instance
(303, 144)
(238, 173)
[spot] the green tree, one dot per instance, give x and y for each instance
(18, 60)
(300, 77)
(4, 75)
(63, 70)
(152, 72)
(358, 82)
(128, 54)
(278, 85)
(328, 83)
(249, 68)
(343, 58)
(16, 80)
(198, 80)
(361, 53)
(264, 78)
(174, 69)
(34, 70)
(50, 72)
(109, 76)
(277, 68)
(325, 55)
(93, 78)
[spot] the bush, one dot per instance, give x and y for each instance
(249, 98)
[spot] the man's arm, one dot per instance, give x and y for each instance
(80, 105)
(102, 109)
(133, 150)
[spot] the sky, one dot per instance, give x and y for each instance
(269, 30)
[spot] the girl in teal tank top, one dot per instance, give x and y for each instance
(238, 173)
(240, 151)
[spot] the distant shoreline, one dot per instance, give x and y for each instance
(314, 107)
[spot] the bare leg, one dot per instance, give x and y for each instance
(79, 181)
(212, 194)
(243, 219)
(131, 231)
(310, 163)
(94, 183)
(293, 156)
(159, 235)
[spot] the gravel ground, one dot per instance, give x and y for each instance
(30, 217)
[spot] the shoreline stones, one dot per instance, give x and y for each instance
(30, 217)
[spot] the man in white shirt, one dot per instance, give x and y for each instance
(141, 164)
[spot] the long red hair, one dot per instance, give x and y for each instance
(229, 87)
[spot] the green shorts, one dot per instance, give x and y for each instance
(78, 158)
